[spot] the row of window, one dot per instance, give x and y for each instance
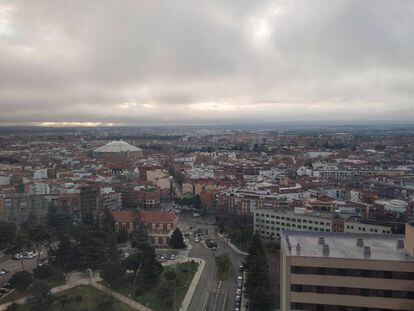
(283, 227)
(294, 219)
(319, 307)
(400, 275)
(334, 290)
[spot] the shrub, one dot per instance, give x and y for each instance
(170, 275)
(78, 298)
(21, 280)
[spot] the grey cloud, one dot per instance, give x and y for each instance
(198, 62)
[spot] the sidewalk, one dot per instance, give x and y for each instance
(193, 286)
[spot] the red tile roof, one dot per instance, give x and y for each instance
(125, 216)
(157, 217)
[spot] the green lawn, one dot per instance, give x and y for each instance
(185, 274)
(79, 298)
(89, 295)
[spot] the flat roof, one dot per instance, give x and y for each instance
(344, 245)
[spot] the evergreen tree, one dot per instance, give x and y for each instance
(177, 239)
(39, 297)
(7, 234)
(258, 285)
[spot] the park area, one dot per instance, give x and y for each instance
(165, 295)
(82, 298)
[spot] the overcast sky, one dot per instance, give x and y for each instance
(206, 62)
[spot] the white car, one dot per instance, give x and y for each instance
(196, 240)
(29, 255)
(3, 272)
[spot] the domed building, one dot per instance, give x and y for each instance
(117, 150)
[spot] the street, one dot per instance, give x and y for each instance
(14, 266)
(209, 295)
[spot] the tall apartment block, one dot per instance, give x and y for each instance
(345, 271)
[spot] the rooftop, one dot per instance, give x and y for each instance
(344, 245)
(117, 146)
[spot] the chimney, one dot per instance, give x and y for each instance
(367, 252)
(325, 250)
(360, 242)
(321, 240)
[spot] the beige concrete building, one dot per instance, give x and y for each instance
(344, 271)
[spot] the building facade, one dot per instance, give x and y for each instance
(338, 271)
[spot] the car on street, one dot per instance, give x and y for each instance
(238, 298)
(196, 240)
(239, 285)
(29, 255)
(237, 304)
(172, 257)
(3, 272)
(239, 278)
(238, 291)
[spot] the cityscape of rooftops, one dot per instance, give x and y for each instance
(207, 155)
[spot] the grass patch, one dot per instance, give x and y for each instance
(151, 296)
(82, 298)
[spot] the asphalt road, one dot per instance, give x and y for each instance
(208, 285)
(14, 266)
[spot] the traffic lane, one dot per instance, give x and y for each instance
(14, 266)
(207, 281)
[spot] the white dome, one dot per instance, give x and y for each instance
(117, 146)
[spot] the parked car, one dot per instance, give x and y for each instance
(172, 257)
(238, 291)
(29, 255)
(239, 278)
(239, 285)
(163, 257)
(18, 256)
(196, 240)
(3, 272)
(43, 262)
(238, 298)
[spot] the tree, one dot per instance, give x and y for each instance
(113, 273)
(122, 236)
(39, 296)
(7, 234)
(39, 236)
(150, 269)
(20, 244)
(106, 231)
(257, 284)
(59, 224)
(177, 240)
(21, 280)
(48, 273)
(134, 263)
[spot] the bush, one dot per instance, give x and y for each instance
(13, 307)
(140, 290)
(113, 273)
(48, 273)
(104, 303)
(168, 302)
(170, 275)
(78, 298)
(21, 280)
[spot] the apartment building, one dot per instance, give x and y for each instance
(270, 223)
(338, 271)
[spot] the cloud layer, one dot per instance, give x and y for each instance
(206, 62)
